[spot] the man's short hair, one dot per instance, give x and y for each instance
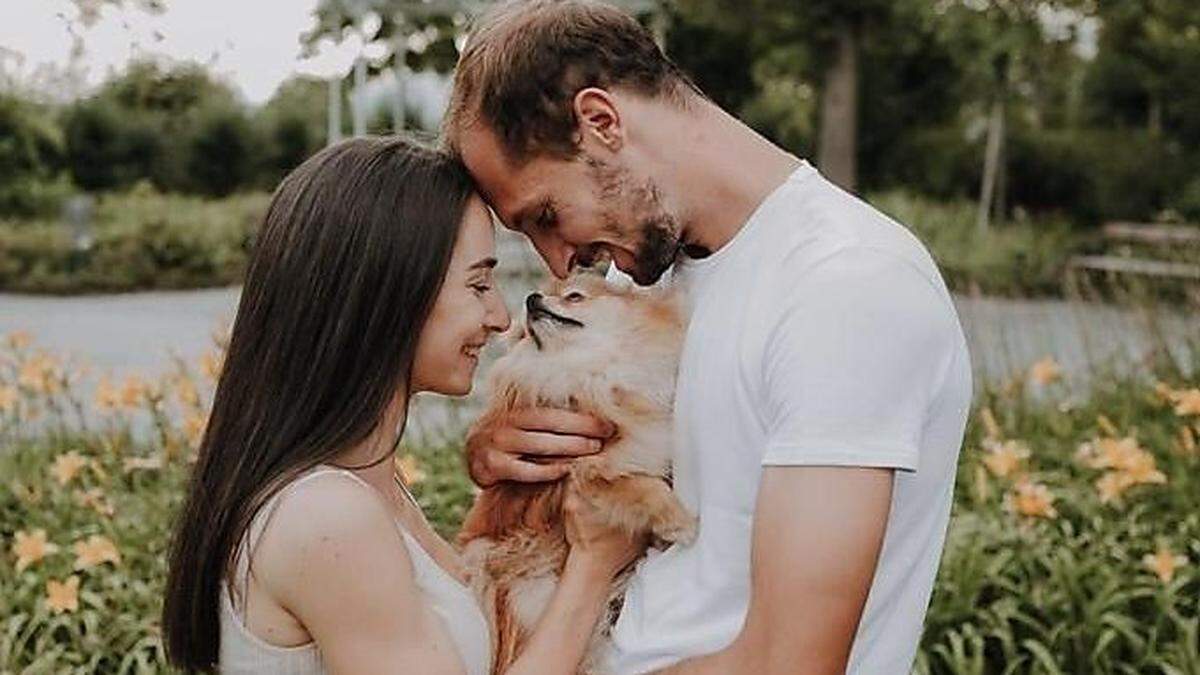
(525, 60)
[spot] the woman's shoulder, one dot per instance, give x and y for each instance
(326, 520)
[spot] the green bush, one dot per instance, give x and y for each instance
(1016, 259)
(143, 240)
(31, 157)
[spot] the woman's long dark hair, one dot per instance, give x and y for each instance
(349, 260)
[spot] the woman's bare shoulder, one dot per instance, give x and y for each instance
(329, 531)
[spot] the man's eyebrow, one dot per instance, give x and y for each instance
(485, 264)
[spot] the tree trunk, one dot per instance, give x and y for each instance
(991, 162)
(837, 144)
(1154, 116)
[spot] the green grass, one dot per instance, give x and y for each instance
(1069, 593)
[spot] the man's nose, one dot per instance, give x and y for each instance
(558, 254)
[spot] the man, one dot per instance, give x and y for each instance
(824, 383)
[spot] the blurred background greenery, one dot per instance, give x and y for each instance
(1042, 119)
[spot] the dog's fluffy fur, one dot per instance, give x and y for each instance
(591, 348)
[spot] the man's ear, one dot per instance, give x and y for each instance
(598, 118)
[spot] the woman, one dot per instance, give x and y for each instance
(299, 550)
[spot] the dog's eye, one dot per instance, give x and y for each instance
(573, 297)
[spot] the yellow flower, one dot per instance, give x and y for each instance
(96, 500)
(108, 397)
(18, 339)
(67, 466)
(410, 470)
(8, 399)
(63, 596)
(1112, 485)
(133, 390)
(1004, 459)
(30, 547)
(1031, 500)
(149, 463)
(194, 425)
(96, 550)
(1186, 402)
(1164, 563)
(1045, 371)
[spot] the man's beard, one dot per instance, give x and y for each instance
(658, 234)
(657, 252)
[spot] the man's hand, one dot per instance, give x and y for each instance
(532, 445)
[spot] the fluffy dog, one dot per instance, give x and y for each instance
(591, 348)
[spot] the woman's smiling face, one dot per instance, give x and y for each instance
(468, 309)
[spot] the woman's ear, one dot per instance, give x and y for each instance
(598, 118)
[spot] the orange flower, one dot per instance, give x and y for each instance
(133, 391)
(1164, 563)
(39, 374)
(8, 399)
(1110, 453)
(1143, 470)
(63, 596)
(96, 550)
(107, 397)
(30, 547)
(1045, 371)
(1186, 402)
(1031, 500)
(1004, 459)
(1187, 440)
(1112, 485)
(95, 499)
(68, 465)
(18, 339)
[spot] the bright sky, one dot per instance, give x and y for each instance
(252, 43)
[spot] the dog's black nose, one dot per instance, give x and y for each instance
(533, 302)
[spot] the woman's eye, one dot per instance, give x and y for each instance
(573, 296)
(481, 288)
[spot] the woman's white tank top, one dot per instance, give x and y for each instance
(243, 653)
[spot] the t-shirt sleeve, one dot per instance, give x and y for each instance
(853, 362)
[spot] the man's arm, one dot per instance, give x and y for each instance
(816, 540)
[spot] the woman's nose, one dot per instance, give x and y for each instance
(497, 318)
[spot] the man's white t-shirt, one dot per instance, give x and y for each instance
(820, 335)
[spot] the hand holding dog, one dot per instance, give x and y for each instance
(532, 445)
(597, 547)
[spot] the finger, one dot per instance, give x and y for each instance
(553, 420)
(514, 469)
(549, 444)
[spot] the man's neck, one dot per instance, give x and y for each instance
(724, 170)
